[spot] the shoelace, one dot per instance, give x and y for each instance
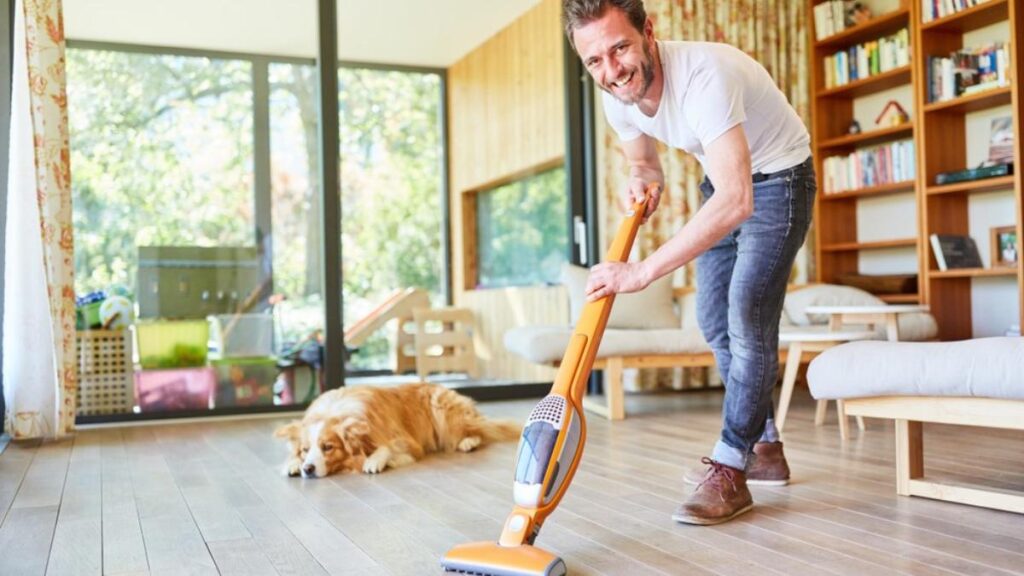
(717, 471)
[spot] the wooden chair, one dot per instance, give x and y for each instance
(399, 306)
(444, 341)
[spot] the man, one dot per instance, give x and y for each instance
(715, 102)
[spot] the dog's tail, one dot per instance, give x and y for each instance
(499, 430)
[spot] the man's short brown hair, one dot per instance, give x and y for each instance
(576, 13)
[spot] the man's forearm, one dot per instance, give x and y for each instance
(646, 173)
(719, 216)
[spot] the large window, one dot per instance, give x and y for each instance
(390, 138)
(521, 231)
(196, 191)
(391, 195)
(161, 147)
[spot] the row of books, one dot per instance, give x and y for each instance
(874, 166)
(932, 9)
(868, 59)
(829, 18)
(968, 70)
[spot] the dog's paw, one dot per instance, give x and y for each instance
(291, 468)
(400, 460)
(377, 462)
(373, 466)
(468, 443)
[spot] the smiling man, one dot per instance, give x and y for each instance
(715, 102)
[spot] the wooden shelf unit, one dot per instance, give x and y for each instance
(832, 109)
(942, 147)
(851, 141)
(874, 245)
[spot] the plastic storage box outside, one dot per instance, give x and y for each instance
(245, 381)
(180, 389)
(166, 344)
(241, 335)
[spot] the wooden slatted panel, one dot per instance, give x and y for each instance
(506, 118)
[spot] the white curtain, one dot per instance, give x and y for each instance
(35, 400)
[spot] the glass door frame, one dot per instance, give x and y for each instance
(6, 80)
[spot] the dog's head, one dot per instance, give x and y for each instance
(326, 446)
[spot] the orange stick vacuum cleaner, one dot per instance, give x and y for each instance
(550, 447)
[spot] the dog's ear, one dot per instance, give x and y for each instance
(291, 431)
(354, 433)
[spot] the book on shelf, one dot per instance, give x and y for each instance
(830, 18)
(954, 251)
(866, 167)
(868, 59)
(971, 174)
(934, 9)
(968, 71)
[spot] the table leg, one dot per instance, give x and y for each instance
(819, 412)
(892, 328)
(788, 383)
(844, 433)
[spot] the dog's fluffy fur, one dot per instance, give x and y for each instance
(369, 429)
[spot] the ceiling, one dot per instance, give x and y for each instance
(434, 33)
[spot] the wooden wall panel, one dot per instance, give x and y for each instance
(506, 117)
(499, 310)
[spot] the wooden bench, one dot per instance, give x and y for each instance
(910, 412)
(976, 382)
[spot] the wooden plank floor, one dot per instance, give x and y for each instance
(209, 498)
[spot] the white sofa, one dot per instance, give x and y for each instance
(653, 329)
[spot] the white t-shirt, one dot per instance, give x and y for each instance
(710, 88)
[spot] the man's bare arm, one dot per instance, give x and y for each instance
(728, 166)
(644, 168)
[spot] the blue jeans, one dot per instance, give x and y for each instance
(741, 283)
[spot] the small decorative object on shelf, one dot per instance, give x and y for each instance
(857, 13)
(892, 115)
(1003, 247)
(1000, 142)
(853, 128)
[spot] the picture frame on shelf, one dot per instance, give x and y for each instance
(1004, 247)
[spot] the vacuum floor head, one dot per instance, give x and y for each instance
(491, 559)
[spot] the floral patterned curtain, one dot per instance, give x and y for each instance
(40, 378)
(774, 32)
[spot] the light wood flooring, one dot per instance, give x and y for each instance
(209, 498)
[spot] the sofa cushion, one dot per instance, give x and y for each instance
(650, 309)
(983, 367)
(797, 301)
(547, 344)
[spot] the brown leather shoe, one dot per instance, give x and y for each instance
(766, 467)
(720, 497)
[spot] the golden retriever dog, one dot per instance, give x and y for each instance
(370, 429)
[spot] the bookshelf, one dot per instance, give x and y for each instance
(840, 243)
(897, 216)
(949, 140)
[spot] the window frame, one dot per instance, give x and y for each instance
(6, 82)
